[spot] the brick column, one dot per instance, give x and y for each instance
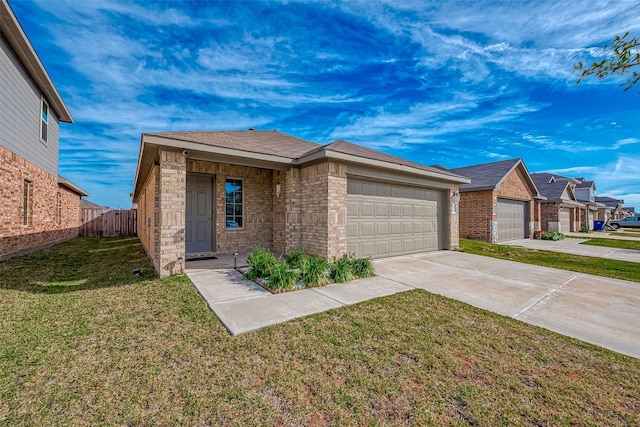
(171, 201)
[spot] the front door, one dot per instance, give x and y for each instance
(199, 214)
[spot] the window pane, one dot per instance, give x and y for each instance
(238, 210)
(233, 208)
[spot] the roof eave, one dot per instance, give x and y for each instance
(350, 158)
(71, 186)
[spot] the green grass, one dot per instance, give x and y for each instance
(614, 243)
(605, 267)
(84, 342)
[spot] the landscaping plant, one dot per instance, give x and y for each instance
(340, 268)
(296, 258)
(261, 261)
(282, 277)
(552, 235)
(362, 267)
(313, 271)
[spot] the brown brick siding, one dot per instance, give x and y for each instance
(146, 216)
(324, 214)
(47, 224)
(476, 214)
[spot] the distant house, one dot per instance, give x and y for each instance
(627, 211)
(228, 191)
(586, 193)
(499, 202)
(37, 206)
(560, 211)
(612, 208)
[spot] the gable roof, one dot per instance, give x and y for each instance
(489, 176)
(610, 201)
(553, 190)
(582, 183)
(250, 141)
(19, 42)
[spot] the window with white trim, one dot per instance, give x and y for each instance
(234, 214)
(44, 119)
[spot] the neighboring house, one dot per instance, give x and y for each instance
(228, 191)
(37, 207)
(627, 211)
(586, 193)
(499, 202)
(611, 210)
(560, 211)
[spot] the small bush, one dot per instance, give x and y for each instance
(362, 267)
(261, 261)
(313, 271)
(552, 235)
(340, 268)
(296, 258)
(584, 230)
(282, 277)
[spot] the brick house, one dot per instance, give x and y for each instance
(561, 211)
(227, 191)
(611, 209)
(37, 207)
(499, 203)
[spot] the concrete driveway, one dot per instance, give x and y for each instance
(574, 246)
(598, 310)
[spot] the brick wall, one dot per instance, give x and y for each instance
(147, 216)
(549, 220)
(259, 195)
(171, 208)
(476, 214)
(323, 192)
(46, 223)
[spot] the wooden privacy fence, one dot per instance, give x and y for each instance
(109, 222)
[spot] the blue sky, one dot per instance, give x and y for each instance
(448, 83)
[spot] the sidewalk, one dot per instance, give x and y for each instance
(574, 246)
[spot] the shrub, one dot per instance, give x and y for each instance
(261, 261)
(296, 258)
(340, 268)
(552, 235)
(313, 270)
(362, 267)
(584, 230)
(282, 277)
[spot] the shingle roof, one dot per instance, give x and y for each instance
(345, 147)
(253, 141)
(486, 175)
(551, 190)
(609, 201)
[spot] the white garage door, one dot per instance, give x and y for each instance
(511, 219)
(386, 219)
(565, 220)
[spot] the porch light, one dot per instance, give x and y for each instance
(235, 259)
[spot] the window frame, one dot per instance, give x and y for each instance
(44, 121)
(242, 204)
(26, 203)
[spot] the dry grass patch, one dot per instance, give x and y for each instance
(83, 342)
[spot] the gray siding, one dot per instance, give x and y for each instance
(20, 115)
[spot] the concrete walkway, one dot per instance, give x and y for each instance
(574, 246)
(598, 310)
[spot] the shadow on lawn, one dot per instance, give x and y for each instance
(84, 263)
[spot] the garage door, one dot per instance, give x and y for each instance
(511, 219)
(385, 219)
(565, 220)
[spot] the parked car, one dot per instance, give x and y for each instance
(628, 222)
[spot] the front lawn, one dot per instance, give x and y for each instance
(85, 342)
(605, 267)
(614, 243)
